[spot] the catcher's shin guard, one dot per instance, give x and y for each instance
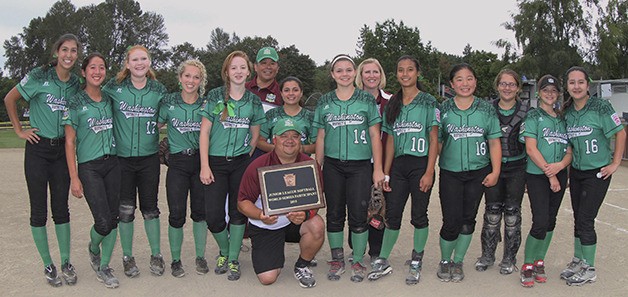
(490, 236)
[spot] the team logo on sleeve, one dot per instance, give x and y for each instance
(344, 120)
(616, 119)
(407, 127)
(464, 131)
(24, 80)
(554, 136)
(573, 132)
(437, 114)
(136, 111)
(99, 125)
(55, 104)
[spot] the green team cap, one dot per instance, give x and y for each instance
(267, 53)
(284, 125)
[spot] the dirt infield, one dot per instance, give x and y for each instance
(22, 271)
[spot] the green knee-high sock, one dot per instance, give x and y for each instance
(420, 239)
(577, 248)
(462, 245)
(588, 253)
(175, 237)
(335, 239)
(532, 248)
(154, 235)
(108, 243)
(236, 233)
(446, 249)
(95, 239)
(63, 238)
(40, 236)
(199, 229)
(542, 252)
(390, 238)
(359, 241)
(222, 239)
(126, 237)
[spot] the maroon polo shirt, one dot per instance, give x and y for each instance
(270, 94)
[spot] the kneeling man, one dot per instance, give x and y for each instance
(269, 233)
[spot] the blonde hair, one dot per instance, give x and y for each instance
(225, 76)
(201, 67)
(125, 72)
(358, 77)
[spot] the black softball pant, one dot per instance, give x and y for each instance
(544, 202)
(45, 167)
(227, 176)
(508, 192)
(587, 194)
(405, 175)
(183, 178)
(460, 194)
(101, 186)
(139, 175)
(347, 190)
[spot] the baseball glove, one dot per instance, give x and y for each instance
(164, 151)
(376, 209)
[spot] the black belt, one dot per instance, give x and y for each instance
(229, 159)
(103, 157)
(53, 141)
(188, 152)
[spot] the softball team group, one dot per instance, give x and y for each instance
(99, 140)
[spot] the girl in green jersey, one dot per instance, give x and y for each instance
(89, 138)
(591, 123)
(47, 90)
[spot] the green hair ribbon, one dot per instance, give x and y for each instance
(221, 105)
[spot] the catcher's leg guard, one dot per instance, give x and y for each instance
(490, 235)
(512, 238)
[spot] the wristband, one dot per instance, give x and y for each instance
(386, 178)
(307, 215)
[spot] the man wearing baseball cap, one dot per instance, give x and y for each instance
(264, 84)
(269, 233)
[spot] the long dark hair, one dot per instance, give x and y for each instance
(89, 59)
(294, 79)
(53, 51)
(394, 105)
(569, 100)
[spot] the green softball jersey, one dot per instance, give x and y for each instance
(184, 121)
(231, 138)
(93, 123)
(304, 119)
(135, 115)
(411, 129)
(47, 97)
(550, 134)
(590, 130)
(347, 124)
(464, 135)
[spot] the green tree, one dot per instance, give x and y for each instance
(32, 47)
(390, 40)
(551, 34)
(612, 45)
(6, 84)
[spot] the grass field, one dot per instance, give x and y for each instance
(8, 139)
